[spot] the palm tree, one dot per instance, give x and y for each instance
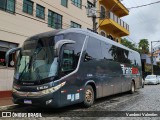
(144, 46)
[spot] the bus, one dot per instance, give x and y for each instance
(69, 66)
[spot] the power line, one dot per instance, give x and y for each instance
(144, 5)
(132, 40)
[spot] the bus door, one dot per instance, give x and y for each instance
(69, 93)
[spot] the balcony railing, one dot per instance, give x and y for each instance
(116, 19)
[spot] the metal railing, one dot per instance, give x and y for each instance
(116, 19)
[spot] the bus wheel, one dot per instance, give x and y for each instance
(132, 88)
(88, 96)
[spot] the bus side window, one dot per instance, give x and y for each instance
(67, 61)
(93, 51)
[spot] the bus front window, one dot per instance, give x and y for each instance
(36, 63)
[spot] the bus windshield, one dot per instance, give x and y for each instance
(36, 60)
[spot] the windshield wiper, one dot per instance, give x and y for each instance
(23, 70)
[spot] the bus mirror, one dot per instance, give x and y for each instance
(60, 43)
(8, 53)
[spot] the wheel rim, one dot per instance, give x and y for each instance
(89, 95)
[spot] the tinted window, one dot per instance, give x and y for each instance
(93, 50)
(68, 60)
(134, 58)
(119, 54)
(107, 54)
(79, 39)
(111, 52)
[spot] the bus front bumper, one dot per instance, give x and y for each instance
(49, 100)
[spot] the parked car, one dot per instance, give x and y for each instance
(151, 79)
(142, 83)
(158, 76)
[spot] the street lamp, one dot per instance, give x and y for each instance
(152, 55)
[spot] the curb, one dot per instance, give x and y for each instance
(7, 107)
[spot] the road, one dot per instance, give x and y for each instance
(146, 99)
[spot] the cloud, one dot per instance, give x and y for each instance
(144, 22)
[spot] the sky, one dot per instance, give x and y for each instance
(144, 22)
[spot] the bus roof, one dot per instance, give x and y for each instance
(83, 31)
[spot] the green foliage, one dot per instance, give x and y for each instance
(144, 46)
(129, 44)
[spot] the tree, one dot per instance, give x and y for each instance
(128, 44)
(144, 46)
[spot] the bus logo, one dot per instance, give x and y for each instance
(129, 70)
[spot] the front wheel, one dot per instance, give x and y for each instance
(132, 87)
(88, 96)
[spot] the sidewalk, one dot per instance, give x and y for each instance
(6, 101)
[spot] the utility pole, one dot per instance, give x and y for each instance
(94, 18)
(152, 57)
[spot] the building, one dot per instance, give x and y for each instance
(156, 53)
(20, 19)
(110, 23)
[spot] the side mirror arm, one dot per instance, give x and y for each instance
(60, 43)
(8, 53)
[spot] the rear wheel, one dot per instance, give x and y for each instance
(132, 87)
(88, 96)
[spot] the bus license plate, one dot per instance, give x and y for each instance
(27, 101)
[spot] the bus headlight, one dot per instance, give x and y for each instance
(53, 89)
(39, 93)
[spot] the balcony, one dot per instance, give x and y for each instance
(119, 9)
(112, 23)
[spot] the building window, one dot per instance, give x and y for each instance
(40, 11)
(75, 25)
(110, 37)
(77, 3)
(54, 20)
(64, 3)
(103, 13)
(28, 7)
(103, 33)
(89, 4)
(7, 5)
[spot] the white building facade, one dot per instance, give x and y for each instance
(20, 19)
